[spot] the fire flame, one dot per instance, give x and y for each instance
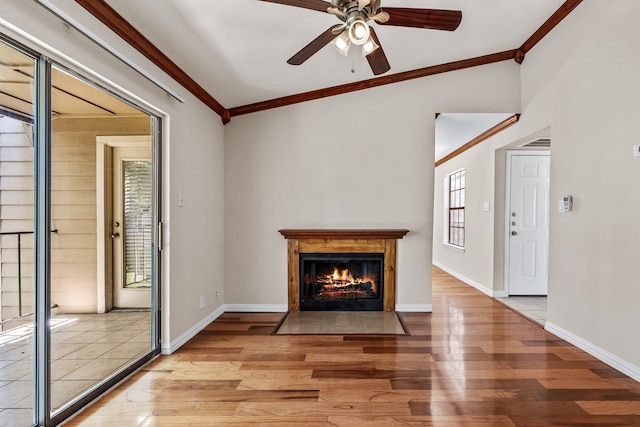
(343, 277)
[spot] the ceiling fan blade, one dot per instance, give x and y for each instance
(377, 59)
(338, 12)
(380, 17)
(319, 5)
(363, 3)
(316, 44)
(433, 19)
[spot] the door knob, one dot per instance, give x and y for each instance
(514, 233)
(115, 235)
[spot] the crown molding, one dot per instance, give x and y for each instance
(109, 17)
(562, 12)
(482, 137)
(371, 83)
(116, 23)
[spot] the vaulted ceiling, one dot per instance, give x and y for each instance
(232, 53)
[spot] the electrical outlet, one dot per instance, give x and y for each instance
(217, 295)
(201, 301)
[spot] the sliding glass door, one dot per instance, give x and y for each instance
(78, 216)
(17, 297)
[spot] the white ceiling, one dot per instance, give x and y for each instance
(237, 49)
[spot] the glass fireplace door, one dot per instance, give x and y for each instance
(349, 282)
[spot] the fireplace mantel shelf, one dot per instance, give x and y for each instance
(338, 234)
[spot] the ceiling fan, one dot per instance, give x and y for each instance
(354, 29)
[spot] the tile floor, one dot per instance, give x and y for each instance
(341, 322)
(533, 308)
(85, 348)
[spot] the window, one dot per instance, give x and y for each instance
(456, 185)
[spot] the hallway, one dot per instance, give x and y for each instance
(472, 362)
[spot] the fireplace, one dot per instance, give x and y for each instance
(368, 256)
(341, 281)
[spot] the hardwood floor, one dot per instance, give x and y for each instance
(472, 362)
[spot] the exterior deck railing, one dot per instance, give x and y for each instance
(19, 248)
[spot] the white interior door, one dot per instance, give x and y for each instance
(528, 226)
(132, 227)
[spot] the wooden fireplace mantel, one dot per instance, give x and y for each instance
(319, 233)
(342, 241)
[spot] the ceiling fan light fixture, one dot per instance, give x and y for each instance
(342, 43)
(369, 46)
(358, 31)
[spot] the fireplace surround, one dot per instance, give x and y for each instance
(343, 246)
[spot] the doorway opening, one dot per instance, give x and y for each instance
(125, 221)
(482, 260)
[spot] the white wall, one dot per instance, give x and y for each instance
(359, 160)
(193, 161)
(583, 81)
(579, 86)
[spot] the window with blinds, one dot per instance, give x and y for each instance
(138, 227)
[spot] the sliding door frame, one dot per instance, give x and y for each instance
(42, 133)
(42, 242)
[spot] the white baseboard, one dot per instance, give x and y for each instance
(608, 358)
(482, 288)
(169, 348)
(414, 308)
(256, 308)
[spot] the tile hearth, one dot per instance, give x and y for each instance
(341, 323)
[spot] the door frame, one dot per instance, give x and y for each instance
(507, 208)
(104, 208)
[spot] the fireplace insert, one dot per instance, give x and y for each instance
(341, 281)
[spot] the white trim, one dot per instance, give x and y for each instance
(124, 140)
(507, 206)
(453, 247)
(101, 221)
(608, 358)
(414, 308)
(482, 288)
(256, 308)
(169, 348)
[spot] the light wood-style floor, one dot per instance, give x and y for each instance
(472, 362)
